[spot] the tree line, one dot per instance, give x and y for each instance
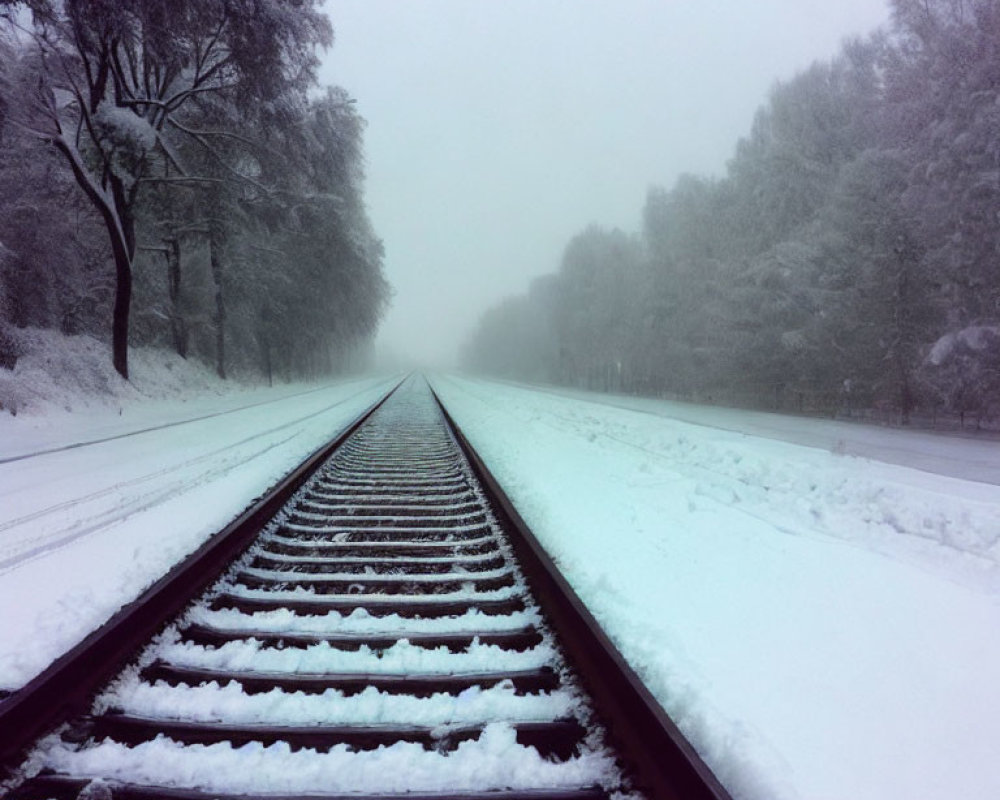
(849, 258)
(171, 173)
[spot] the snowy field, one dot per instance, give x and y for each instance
(98, 504)
(821, 625)
(975, 458)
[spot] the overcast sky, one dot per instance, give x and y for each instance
(497, 129)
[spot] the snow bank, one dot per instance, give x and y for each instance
(96, 506)
(819, 625)
(59, 374)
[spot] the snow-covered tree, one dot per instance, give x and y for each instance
(54, 271)
(110, 83)
(943, 110)
(850, 254)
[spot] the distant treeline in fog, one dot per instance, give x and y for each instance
(172, 174)
(848, 261)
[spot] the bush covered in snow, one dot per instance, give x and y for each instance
(964, 367)
(55, 373)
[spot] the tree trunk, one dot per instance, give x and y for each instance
(215, 257)
(120, 314)
(120, 229)
(268, 366)
(178, 328)
(905, 346)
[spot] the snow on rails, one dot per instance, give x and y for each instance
(382, 624)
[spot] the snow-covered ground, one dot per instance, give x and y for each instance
(96, 505)
(64, 392)
(820, 624)
(975, 458)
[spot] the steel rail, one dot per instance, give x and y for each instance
(65, 688)
(663, 764)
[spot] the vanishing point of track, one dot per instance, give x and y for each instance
(381, 624)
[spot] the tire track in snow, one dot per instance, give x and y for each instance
(176, 423)
(18, 552)
(774, 505)
(105, 518)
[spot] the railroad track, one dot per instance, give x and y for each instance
(392, 630)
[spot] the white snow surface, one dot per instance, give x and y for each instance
(402, 577)
(211, 702)
(358, 621)
(402, 658)
(300, 594)
(493, 761)
(819, 624)
(97, 503)
(973, 458)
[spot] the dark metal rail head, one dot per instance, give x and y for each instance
(64, 689)
(663, 763)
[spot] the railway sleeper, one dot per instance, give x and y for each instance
(556, 739)
(375, 606)
(362, 479)
(437, 521)
(446, 465)
(517, 640)
(381, 550)
(332, 480)
(409, 509)
(385, 532)
(369, 584)
(67, 787)
(427, 496)
(530, 681)
(379, 566)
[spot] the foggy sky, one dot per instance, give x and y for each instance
(498, 129)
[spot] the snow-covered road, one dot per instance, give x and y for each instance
(96, 515)
(821, 625)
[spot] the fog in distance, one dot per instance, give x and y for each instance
(498, 130)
